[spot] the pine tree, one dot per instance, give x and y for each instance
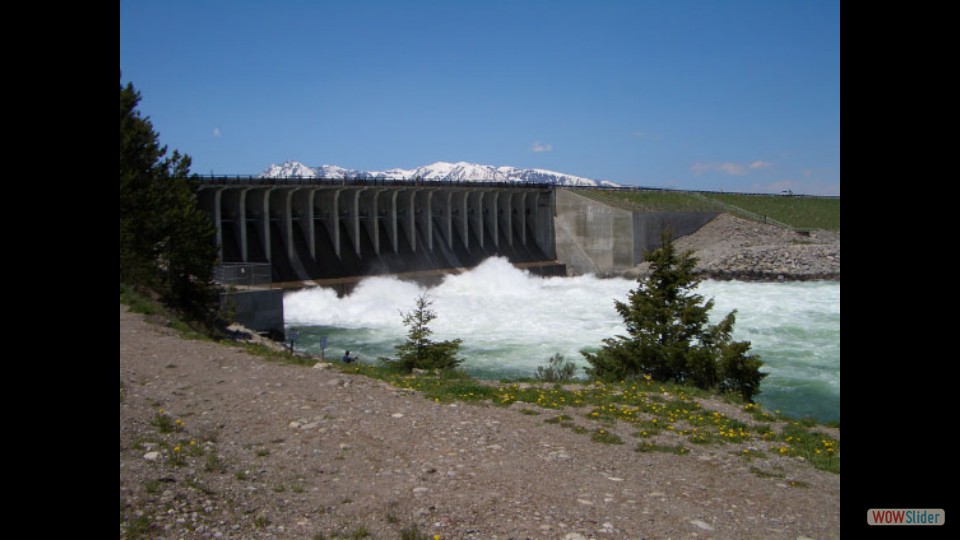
(668, 335)
(419, 351)
(166, 241)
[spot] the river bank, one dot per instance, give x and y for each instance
(216, 443)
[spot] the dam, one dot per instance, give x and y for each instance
(316, 231)
(291, 233)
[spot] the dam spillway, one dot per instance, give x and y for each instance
(316, 230)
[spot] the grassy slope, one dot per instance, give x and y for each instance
(650, 200)
(798, 212)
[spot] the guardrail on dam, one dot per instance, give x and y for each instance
(310, 229)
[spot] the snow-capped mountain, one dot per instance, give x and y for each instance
(439, 171)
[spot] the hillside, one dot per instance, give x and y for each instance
(798, 212)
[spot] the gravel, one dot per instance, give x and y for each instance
(270, 450)
(730, 247)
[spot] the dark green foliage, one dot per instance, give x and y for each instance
(420, 351)
(558, 370)
(669, 338)
(166, 241)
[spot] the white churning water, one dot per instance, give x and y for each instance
(511, 322)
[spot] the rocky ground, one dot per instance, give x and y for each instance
(216, 443)
(730, 247)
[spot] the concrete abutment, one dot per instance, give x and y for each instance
(315, 231)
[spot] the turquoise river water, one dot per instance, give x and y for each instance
(512, 322)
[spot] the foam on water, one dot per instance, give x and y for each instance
(511, 322)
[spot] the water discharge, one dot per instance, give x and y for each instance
(512, 322)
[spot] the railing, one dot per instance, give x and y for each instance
(243, 274)
(218, 180)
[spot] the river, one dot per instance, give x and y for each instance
(511, 322)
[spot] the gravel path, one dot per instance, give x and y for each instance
(268, 450)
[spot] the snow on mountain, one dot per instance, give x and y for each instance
(439, 171)
(289, 169)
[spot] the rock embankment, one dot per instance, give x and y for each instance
(730, 247)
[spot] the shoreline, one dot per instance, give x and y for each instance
(749, 277)
(216, 443)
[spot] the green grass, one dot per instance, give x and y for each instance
(605, 437)
(658, 412)
(798, 212)
(677, 449)
(214, 464)
(654, 409)
(152, 487)
(139, 527)
(282, 356)
(413, 533)
(760, 473)
(821, 450)
(673, 201)
(139, 302)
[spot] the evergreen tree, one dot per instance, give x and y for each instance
(419, 351)
(669, 338)
(166, 241)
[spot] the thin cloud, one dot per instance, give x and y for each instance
(216, 132)
(732, 169)
(728, 168)
(537, 147)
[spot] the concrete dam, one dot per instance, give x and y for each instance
(316, 231)
(294, 233)
(323, 231)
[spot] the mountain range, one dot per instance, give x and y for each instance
(439, 171)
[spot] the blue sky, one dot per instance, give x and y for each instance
(720, 95)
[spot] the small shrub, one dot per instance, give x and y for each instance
(650, 447)
(152, 487)
(360, 532)
(413, 533)
(419, 351)
(164, 424)
(557, 371)
(605, 437)
(214, 464)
